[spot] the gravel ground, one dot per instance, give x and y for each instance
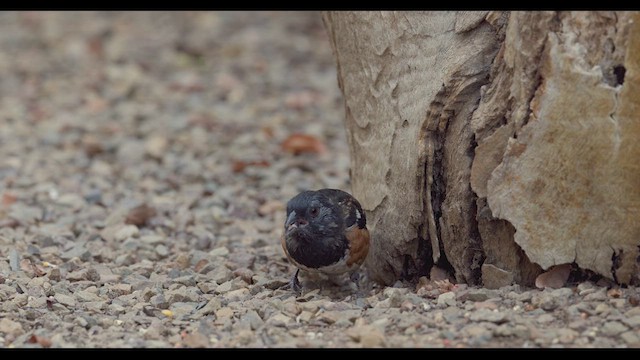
(143, 183)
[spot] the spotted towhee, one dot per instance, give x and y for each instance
(325, 232)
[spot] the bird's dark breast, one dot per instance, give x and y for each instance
(316, 253)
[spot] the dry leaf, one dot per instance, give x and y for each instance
(200, 265)
(8, 199)
(303, 143)
(92, 146)
(44, 342)
(139, 215)
(555, 277)
(614, 293)
(167, 313)
(239, 166)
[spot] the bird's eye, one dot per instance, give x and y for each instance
(313, 211)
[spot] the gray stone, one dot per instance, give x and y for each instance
(78, 251)
(494, 278)
(545, 319)
(447, 299)
(489, 316)
(633, 321)
(252, 318)
(159, 301)
(210, 308)
(545, 301)
(631, 338)
(14, 260)
(8, 326)
(65, 300)
(162, 251)
(612, 328)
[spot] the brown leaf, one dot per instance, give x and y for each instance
(92, 146)
(555, 277)
(44, 342)
(303, 143)
(139, 215)
(614, 293)
(200, 265)
(239, 165)
(8, 199)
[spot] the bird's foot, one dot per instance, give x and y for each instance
(294, 284)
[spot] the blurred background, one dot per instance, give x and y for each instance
(143, 147)
(180, 110)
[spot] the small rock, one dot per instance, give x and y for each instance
(479, 334)
(220, 251)
(631, 338)
(159, 301)
(633, 322)
(65, 300)
(8, 326)
(545, 319)
(220, 275)
(181, 310)
(156, 146)
(119, 290)
(78, 251)
(245, 274)
(86, 296)
(195, 340)
(71, 200)
(253, 319)
(447, 299)
(225, 287)
(162, 251)
(612, 328)
(494, 278)
(367, 335)
(545, 301)
(305, 316)
(488, 315)
(566, 336)
(210, 308)
(632, 312)
(125, 232)
(279, 319)
(602, 309)
(182, 294)
(236, 295)
(14, 260)
(224, 312)
(477, 295)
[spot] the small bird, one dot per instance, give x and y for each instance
(325, 232)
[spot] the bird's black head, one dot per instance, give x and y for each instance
(312, 215)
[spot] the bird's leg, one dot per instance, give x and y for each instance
(355, 277)
(295, 283)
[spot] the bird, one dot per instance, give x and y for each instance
(325, 232)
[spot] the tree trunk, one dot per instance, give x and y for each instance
(494, 144)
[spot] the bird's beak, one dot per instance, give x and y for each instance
(290, 223)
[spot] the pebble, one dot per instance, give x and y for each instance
(447, 299)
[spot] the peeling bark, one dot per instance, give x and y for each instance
(493, 138)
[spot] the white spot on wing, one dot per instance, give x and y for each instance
(358, 215)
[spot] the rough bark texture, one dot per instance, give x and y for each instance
(494, 144)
